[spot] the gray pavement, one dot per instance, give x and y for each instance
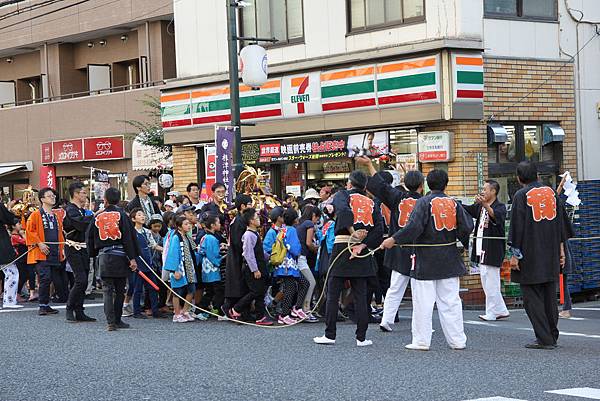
(44, 358)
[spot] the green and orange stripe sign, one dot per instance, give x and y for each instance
(468, 77)
(348, 89)
(408, 82)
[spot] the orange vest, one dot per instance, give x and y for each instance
(34, 234)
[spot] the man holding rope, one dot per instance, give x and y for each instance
(112, 239)
(358, 227)
(435, 224)
(76, 224)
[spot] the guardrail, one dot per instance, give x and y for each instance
(83, 94)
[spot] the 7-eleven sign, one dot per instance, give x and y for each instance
(301, 95)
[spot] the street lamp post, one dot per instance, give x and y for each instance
(234, 80)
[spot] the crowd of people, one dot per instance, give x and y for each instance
(337, 254)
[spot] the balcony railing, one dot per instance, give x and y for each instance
(83, 94)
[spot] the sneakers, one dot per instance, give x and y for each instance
(385, 327)
(139, 316)
(179, 319)
(537, 345)
(458, 347)
(82, 317)
(299, 314)
(127, 311)
(287, 320)
(565, 314)
(310, 318)
(364, 343)
(46, 310)
(487, 318)
(187, 316)
(123, 325)
(500, 317)
(265, 321)
(416, 347)
(324, 340)
(199, 316)
(233, 314)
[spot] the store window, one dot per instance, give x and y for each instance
(372, 14)
(403, 144)
(527, 9)
(280, 19)
(524, 142)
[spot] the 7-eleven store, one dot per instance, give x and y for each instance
(306, 120)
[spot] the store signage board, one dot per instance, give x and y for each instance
(435, 146)
(210, 166)
(48, 177)
(46, 152)
(67, 151)
(104, 148)
(80, 149)
(404, 82)
(295, 151)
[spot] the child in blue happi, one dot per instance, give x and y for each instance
(211, 262)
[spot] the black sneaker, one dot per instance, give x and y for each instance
(139, 316)
(82, 317)
(537, 345)
(111, 327)
(122, 325)
(46, 310)
(70, 315)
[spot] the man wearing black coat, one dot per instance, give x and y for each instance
(144, 200)
(536, 240)
(488, 253)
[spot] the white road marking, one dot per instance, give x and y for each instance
(567, 333)
(583, 392)
(36, 308)
(577, 318)
(476, 323)
(495, 399)
(594, 309)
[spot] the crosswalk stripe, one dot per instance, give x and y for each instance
(594, 309)
(583, 392)
(495, 399)
(477, 323)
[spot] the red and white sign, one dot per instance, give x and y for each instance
(48, 177)
(210, 155)
(435, 146)
(46, 152)
(104, 148)
(67, 151)
(269, 150)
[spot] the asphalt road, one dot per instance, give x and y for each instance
(44, 358)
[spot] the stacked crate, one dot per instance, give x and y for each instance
(586, 253)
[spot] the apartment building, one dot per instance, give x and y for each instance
(71, 74)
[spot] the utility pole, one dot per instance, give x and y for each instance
(234, 85)
(234, 79)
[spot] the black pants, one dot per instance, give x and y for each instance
(80, 264)
(540, 305)
(26, 275)
(48, 274)
(257, 292)
(359, 293)
(294, 289)
(114, 295)
(213, 293)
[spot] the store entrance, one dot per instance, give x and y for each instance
(296, 178)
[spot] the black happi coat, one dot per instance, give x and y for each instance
(536, 230)
(400, 204)
(437, 219)
(235, 286)
(76, 224)
(114, 230)
(354, 209)
(495, 249)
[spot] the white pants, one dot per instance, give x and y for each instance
(444, 293)
(11, 284)
(490, 281)
(393, 297)
(305, 270)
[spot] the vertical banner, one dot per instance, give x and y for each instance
(210, 171)
(224, 141)
(480, 177)
(48, 177)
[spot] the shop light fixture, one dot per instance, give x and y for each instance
(90, 44)
(102, 42)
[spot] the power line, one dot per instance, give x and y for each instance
(89, 9)
(491, 117)
(43, 15)
(28, 9)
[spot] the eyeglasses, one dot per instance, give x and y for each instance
(145, 184)
(50, 195)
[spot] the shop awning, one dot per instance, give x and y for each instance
(496, 134)
(13, 167)
(553, 133)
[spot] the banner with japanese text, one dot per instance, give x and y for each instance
(48, 177)
(224, 142)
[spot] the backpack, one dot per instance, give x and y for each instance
(279, 250)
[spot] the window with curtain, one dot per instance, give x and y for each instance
(528, 9)
(367, 14)
(281, 19)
